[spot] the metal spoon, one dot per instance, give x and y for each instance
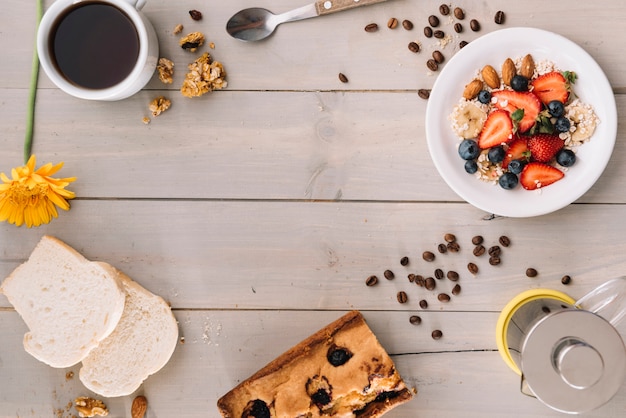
(256, 23)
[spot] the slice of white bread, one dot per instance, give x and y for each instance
(142, 343)
(68, 303)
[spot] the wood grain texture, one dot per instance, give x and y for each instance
(259, 211)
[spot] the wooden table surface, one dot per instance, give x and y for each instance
(259, 210)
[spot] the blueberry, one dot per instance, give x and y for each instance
(471, 166)
(516, 166)
(556, 108)
(256, 409)
(519, 83)
(562, 124)
(508, 181)
(338, 356)
(468, 149)
(321, 398)
(566, 157)
(496, 154)
(484, 97)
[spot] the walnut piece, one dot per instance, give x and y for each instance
(159, 105)
(88, 407)
(165, 68)
(204, 76)
(192, 41)
(139, 407)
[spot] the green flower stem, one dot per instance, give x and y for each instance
(32, 95)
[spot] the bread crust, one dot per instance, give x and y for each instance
(369, 360)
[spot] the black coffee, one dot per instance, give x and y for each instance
(94, 45)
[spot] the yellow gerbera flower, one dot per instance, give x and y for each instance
(31, 196)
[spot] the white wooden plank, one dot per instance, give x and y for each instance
(233, 145)
(295, 255)
(222, 348)
(309, 54)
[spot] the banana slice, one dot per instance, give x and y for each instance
(467, 119)
(583, 120)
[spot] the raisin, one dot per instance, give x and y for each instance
(256, 409)
(190, 45)
(338, 356)
(321, 398)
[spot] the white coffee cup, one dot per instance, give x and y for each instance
(136, 79)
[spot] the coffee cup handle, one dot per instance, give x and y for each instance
(138, 4)
(607, 300)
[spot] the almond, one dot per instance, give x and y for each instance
(508, 71)
(528, 67)
(490, 76)
(472, 89)
(139, 407)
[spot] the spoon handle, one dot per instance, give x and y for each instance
(325, 7)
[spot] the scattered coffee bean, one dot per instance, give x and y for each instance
(419, 280)
(414, 47)
(343, 78)
(423, 304)
(439, 34)
(444, 9)
(443, 297)
(389, 275)
(428, 32)
(504, 241)
(494, 251)
(499, 17)
(479, 250)
(531, 272)
(195, 14)
(478, 239)
(424, 93)
(371, 27)
(454, 247)
(430, 283)
(447, 237)
(459, 13)
(458, 28)
(433, 21)
(474, 25)
(415, 320)
(402, 297)
(428, 256)
(436, 334)
(439, 274)
(438, 57)
(411, 277)
(404, 261)
(452, 276)
(494, 260)
(456, 289)
(462, 44)
(545, 309)
(392, 23)
(566, 279)
(473, 268)
(407, 24)
(442, 248)
(371, 281)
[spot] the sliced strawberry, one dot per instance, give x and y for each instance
(497, 130)
(551, 86)
(514, 100)
(536, 175)
(543, 147)
(518, 150)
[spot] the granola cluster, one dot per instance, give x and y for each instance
(165, 68)
(192, 41)
(88, 407)
(204, 75)
(159, 105)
